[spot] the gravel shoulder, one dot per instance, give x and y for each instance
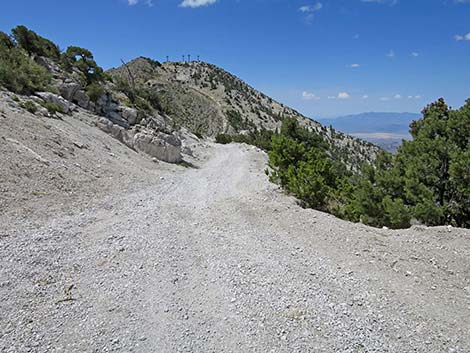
(217, 259)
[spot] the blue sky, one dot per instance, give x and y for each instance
(325, 58)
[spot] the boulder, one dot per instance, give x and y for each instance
(164, 147)
(114, 130)
(74, 93)
(68, 90)
(81, 99)
(117, 118)
(113, 111)
(67, 107)
(130, 115)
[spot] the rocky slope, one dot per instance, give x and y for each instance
(208, 100)
(48, 162)
(149, 106)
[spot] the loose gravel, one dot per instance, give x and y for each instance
(217, 259)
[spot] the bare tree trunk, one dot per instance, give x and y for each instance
(131, 77)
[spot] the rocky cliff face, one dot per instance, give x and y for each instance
(142, 131)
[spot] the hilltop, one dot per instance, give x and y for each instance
(208, 100)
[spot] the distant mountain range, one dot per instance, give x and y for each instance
(384, 129)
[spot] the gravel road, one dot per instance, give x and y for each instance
(217, 259)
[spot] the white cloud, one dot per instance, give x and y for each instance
(309, 11)
(391, 54)
(365, 96)
(384, 2)
(341, 95)
(354, 66)
(356, 36)
(309, 96)
(384, 99)
(197, 3)
(459, 37)
(311, 8)
(149, 3)
(414, 54)
(397, 96)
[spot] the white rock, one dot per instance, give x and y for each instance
(66, 106)
(162, 146)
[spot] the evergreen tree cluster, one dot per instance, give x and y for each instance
(428, 180)
(20, 73)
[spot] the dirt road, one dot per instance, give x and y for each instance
(217, 259)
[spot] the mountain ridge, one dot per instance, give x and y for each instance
(224, 103)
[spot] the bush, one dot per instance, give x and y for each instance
(6, 41)
(33, 43)
(223, 139)
(19, 73)
(307, 172)
(236, 120)
(30, 106)
(95, 91)
(52, 108)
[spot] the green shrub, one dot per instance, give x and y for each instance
(427, 179)
(150, 96)
(236, 120)
(52, 108)
(6, 41)
(223, 139)
(33, 43)
(30, 106)
(95, 91)
(20, 74)
(82, 60)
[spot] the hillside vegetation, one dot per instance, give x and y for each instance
(208, 101)
(428, 180)
(147, 105)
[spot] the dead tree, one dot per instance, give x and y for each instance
(131, 76)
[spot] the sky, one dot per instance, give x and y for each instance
(324, 58)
